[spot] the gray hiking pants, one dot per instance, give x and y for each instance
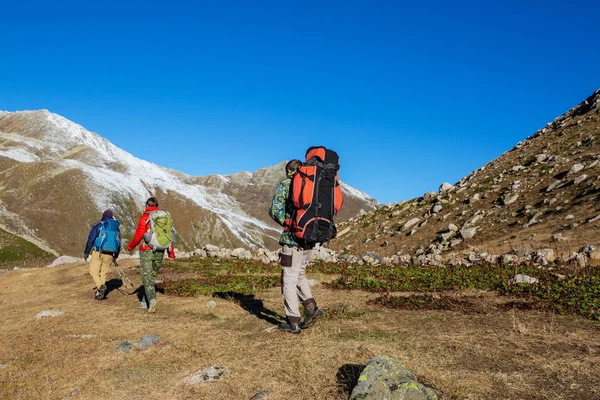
(294, 284)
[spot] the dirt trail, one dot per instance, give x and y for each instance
(491, 355)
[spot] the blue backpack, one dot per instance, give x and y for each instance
(109, 238)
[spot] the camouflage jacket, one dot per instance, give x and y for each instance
(281, 210)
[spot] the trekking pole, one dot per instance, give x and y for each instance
(124, 277)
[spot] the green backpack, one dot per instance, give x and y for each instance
(161, 233)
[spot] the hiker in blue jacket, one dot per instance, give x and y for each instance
(102, 249)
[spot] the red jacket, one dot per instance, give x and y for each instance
(142, 228)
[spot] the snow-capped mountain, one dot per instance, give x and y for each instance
(56, 178)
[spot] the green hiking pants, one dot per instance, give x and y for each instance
(150, 263)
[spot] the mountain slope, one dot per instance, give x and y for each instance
(543, 193)
(56, 178)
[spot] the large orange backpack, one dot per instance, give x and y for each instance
(317, 197)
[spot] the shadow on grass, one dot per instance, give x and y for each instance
(113, 284)
(347, 377)
(251, 304)
(141, 293)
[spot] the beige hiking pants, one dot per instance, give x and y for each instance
(99, 266)
(294, 284)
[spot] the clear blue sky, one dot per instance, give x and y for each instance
(411, 94)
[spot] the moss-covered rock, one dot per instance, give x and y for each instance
(384, 378)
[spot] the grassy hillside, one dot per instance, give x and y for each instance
(15, 250)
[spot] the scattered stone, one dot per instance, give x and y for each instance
(411, 223)
(453, 228)
(211, 305)
(580, 179)
(468, 233)
(474, 199)
(343, 232)
(455, 242)
(447, 235)
(570, 216)
(149, 341)
(271, 329)
(520, 278)
(446, 187)
(596, 218)
(553, 186)
(558, 237)
(592, 165)
(261, 395)
(575, 168)
(509, 199)
(210, 374)
(386, 378)
(436, 209)
(126, 346)
(541, 158)
(49, 314)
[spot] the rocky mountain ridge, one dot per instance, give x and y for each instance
(542, 194)
(57, 177)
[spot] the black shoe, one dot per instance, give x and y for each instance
(290, 328)
(101, 292)
(310, 318)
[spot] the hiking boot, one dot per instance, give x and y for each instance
(310, 318)
(311, 313)
(152, 308)
(290, 328)
(143, 304)
(101, 292)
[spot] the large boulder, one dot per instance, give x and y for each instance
(385, 378)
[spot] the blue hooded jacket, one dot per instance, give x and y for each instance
(94, 233)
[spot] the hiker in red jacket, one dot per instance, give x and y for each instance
(151, 259)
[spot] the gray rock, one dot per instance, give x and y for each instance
(211, 250)
(580, 179)
(455, 242)
(436, 209)
(210, 374)
(509, 199)
(468, 233)
(385, 378)
(519, 278)
(211, 305)
(446, 187)
(149, 341)
(261, 395)
(596, 218)
(447, 235)
(453, 228)
(576, 168)
(126, 346)
(558, 237)
(553, 186)
(49, 314)
(410, 224)
(541, 157)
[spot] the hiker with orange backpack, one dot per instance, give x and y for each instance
(156, 233)
(304, 204)
(102, 249)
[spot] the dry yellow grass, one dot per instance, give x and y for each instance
(493, 355)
